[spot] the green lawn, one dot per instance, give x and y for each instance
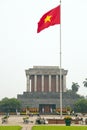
(59, 127)
(10, 127)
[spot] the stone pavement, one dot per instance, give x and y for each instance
(18, 120)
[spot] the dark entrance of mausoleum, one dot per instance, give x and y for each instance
(47, 108)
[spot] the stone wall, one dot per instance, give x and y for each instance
(36, 98)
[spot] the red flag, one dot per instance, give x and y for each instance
(50, 18)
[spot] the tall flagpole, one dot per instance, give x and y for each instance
(60, 67)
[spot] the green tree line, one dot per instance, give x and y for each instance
(10, 105)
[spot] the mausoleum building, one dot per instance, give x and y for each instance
(43, 87)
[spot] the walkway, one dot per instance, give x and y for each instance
(18, 120)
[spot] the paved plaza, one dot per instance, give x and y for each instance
(18, 120)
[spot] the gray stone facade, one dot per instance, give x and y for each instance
(34, 99)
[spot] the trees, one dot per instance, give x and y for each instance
(75, 87)
(9, 105)
(85, 82)
(81, 106)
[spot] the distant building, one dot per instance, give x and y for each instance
(43, 87)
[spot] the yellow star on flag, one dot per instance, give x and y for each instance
(47, 19)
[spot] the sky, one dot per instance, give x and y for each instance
(21, 47)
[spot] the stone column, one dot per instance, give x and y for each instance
(42, 83)
(49, 83)
(35, 83)
(28, 83)
(64, 83)
(57, 83)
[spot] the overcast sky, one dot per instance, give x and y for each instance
(21, 47)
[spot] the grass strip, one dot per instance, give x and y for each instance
(10, 127)
(59, 127)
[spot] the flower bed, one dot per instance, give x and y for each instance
(26, 119)
(5, 119)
